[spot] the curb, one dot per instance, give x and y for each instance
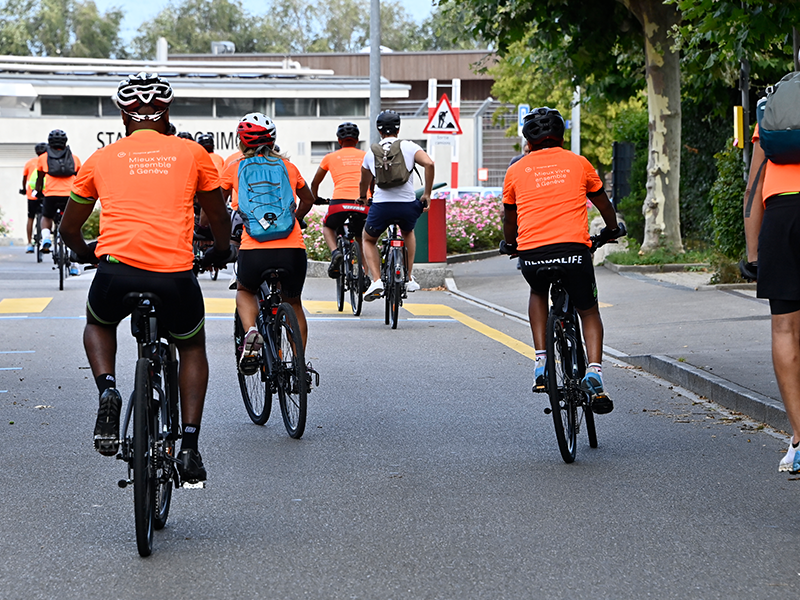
(667, 268)
(721, 391)
(428, 275)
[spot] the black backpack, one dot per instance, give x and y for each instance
(60, 163)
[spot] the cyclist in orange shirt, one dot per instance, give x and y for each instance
(29, 176)
(147, 183)
(206, 140)
(545, 220)
(56, 171)
(345, 169)
(257, 134)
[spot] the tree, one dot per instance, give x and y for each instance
(598, 42)
(345, 27)
(14, 30)
(444, 30)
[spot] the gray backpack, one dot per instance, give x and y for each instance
(390, 165)
(779, 121)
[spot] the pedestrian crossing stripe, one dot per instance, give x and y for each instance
(220, 306)
(23, 305)
(325, 307)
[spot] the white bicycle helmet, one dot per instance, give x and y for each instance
(143, 89)
(257, 129)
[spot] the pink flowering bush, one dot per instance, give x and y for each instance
(5, 226)
(316, 247)
(474, 223)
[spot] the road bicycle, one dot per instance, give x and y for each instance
(152, 414)
(60, 252)
(351, 274)
(37, 235)
(199, 246)
(565, 367)
(281, 367)
(394, 274)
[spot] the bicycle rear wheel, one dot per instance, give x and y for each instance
(255, 388)
(588, 415)
(61, 260)
(290, 369)
(167, 425)
(355, 278)
(37, 237)
(563, 408)
(143, 479)
(341, 279)
(396, 286)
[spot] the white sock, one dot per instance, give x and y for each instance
(45, 234)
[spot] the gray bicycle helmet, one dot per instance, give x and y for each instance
(388, 122)
(40, 148)
(543, 126)
(140, 90)
(347, 130)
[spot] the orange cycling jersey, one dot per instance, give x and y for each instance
(230, 181)
(56, 186)
(219, 162)
(779, 179)
(344, 166)
(146, 183)
(29, 172)
(549, 189)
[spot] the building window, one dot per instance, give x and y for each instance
(320, 149)
(341, 107)
(239, 107)
(108, 107)
(70, 106)
(295, 107)
(191, 107)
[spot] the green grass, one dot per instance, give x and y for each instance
(661, 257)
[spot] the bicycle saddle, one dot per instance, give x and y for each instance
(551, 273)
(137, 298)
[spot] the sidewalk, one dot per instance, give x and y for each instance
(715, 342)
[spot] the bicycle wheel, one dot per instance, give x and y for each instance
(588, 415)
(255, 388)
(166, 425)
(61, 260)
(143, 480)
(355, 278)
(341, 279)
(37, 237)
(291, 371)
(214, 272)
(396, 285)
(563, 409)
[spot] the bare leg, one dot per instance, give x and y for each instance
(593, 333)
(330, 238)
(786, 361)
(29, 231)
(411, 249)
(247, 307)
(297, 305)
(192, 377)
(100, 343)
(372, 258)
(537, 316)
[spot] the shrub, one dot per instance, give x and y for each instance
(474, 223)
(631, 126)
(316, 247)
(91, 228)
(726, 196)
(5, 226)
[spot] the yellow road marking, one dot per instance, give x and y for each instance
(604, 305)
(224, 306)
(440, 310)
(324, 307)
(23, 305)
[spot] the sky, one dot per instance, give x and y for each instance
(138, 13)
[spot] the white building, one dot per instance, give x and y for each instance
(38, 95)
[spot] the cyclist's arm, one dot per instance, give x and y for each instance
(218, 218)
(39, 182)
(426, 162)
(754, 207)
(75, 214)
(366, 181)
(510, 223)
(603, 204)
(318, 177)
(24, 182)
(306, 198)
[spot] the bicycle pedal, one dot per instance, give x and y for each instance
(193, 486)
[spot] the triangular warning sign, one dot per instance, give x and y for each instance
(443, 119)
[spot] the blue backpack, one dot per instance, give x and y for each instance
(779, 121)
(266, 199)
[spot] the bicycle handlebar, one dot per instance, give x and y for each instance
(606, 236)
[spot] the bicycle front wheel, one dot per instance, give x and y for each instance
(290, 371)
(61, 260)
(255, 388)
(396, 285)
(355, 278)
(166, 423)
(143, 443)
(37, 238)
(564, 411)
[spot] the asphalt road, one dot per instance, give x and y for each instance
(428, 470)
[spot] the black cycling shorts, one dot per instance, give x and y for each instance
(252, 264)
(779, 251)
(182, 311)
(336, 218)
(34, 207)
(53, 203)
(574, 259)
(382, 214)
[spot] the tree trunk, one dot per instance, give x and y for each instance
(662, 228)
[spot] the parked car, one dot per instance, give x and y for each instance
(464, 192)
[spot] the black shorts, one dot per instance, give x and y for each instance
(34, 207)
(779, 250)
(574, 259)
(53, 203)
(182, 311)
(336, 218)
(252, 264)
(382, 214)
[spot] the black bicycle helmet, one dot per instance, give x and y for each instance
(206, 140)
(348, 130)
(388, 122)
(40, 148)
(185, 135)
(57, 139)
(543, 127)
(140, 90)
